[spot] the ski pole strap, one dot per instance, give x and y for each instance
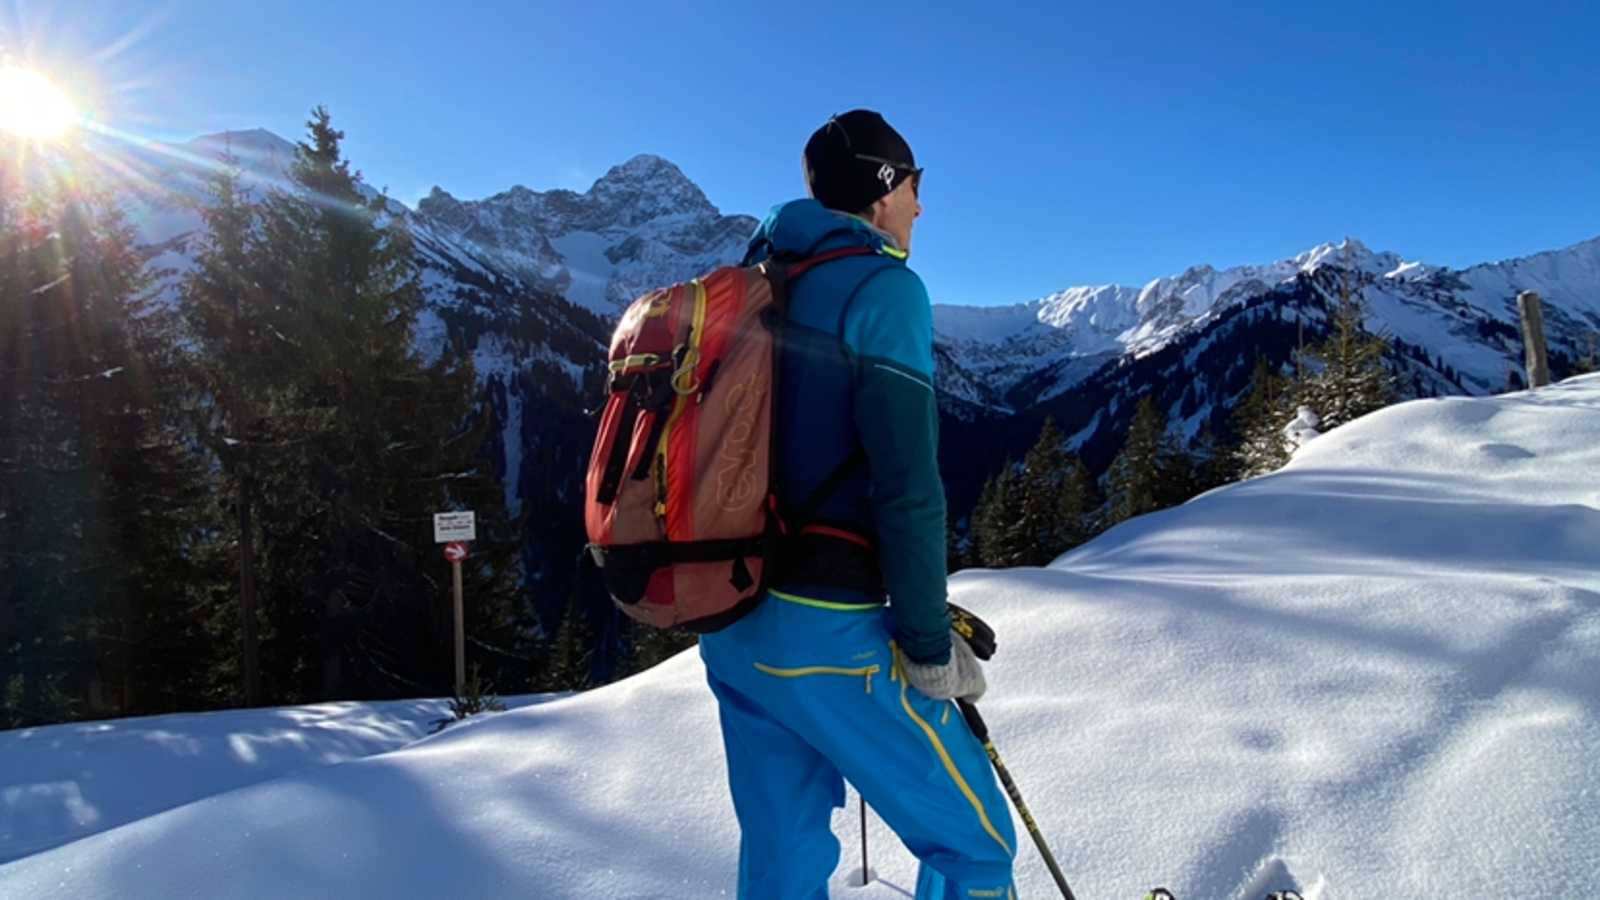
(975, 631)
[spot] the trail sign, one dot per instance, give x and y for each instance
(454, 526)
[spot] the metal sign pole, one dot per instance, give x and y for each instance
(455, 530)
(461, 645)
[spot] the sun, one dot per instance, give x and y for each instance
(32, 107)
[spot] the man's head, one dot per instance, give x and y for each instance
(856, 163)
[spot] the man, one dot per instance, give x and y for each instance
(824, 681)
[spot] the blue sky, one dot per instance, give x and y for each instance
(1065, 143)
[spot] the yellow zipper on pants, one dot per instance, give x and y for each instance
(897, 673)
(865, 672)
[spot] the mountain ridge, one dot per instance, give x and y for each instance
(531, 283)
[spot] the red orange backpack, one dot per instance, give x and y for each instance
(682, 517)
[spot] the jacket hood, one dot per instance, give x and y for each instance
(806, 227)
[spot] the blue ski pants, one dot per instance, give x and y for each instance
(809, 695)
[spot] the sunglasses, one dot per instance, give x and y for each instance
(914, 173)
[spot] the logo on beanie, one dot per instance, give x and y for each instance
(886, 175)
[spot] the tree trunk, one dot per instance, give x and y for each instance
(249, 652)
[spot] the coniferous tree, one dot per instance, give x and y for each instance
(1058, 499)
(1043, 474)
(1153, 471)
(1076, 505)
(1259, 421)
(1134, 479)
(648, 646)
(571, 657)
(1001, 537)
(342, 439)
(1590, 360)
(1178, 479)
(983, 521)
(98, 496)
(1214, 465)
(1350, 379)
(230, 320)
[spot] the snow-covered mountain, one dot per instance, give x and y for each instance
(532, 281)
(642, 225)
(1030, 353)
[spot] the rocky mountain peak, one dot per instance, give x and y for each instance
(644, 188)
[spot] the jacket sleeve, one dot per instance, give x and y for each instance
(889, 332)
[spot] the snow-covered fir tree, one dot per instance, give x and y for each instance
(1345, 376)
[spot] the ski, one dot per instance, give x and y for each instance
(1165, 894)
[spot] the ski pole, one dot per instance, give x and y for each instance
(866, 871)
(981, 731)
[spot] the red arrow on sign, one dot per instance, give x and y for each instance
(455, 551)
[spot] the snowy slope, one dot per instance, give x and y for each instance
(1375, 673)
(61, 783)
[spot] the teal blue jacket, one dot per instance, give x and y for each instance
(874, 390)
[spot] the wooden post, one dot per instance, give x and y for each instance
(461, 644)
(1533, 339)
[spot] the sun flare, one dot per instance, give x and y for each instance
(32, 107)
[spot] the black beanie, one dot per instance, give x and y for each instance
(854, 159)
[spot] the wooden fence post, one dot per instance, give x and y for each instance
(1533, 339)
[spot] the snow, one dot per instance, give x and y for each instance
(1374, 673)
(984, 324)
(1433, 307)
(430, 336)
(1302, 429)
(1411, 271)
(1568, 278)
(66, 782)
(1445, 333)
(511, 439)
(584, 253)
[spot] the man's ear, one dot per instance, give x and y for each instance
(876, 211)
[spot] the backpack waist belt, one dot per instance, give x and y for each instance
(829, 557)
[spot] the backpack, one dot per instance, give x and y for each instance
(680, 506)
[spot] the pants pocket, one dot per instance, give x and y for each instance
(863, 672)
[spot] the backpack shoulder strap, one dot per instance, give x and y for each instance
(802, 514)
(806, 511)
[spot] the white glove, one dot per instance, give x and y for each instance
(960, 678)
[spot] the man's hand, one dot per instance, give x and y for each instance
(959, 679)
(971, 640)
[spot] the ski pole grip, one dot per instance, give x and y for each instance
(974, 721)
